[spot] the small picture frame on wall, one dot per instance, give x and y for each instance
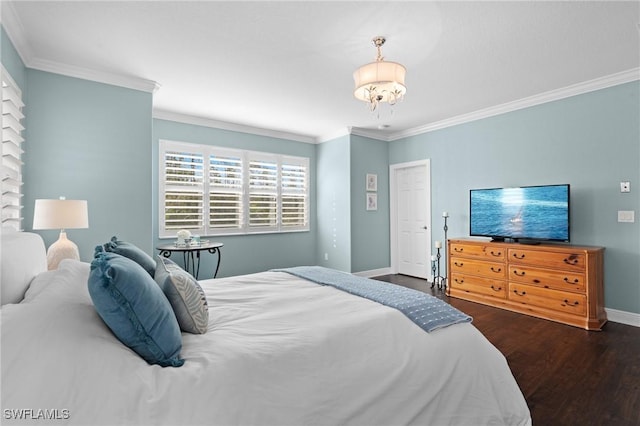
(372, 201)
(372, 182)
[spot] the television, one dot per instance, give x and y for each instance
(523, 214)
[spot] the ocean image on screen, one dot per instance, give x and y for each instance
(537, 212)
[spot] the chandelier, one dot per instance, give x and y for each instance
(380, 81)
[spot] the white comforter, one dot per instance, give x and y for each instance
(279, 351)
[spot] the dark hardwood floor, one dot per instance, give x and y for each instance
(568, 376)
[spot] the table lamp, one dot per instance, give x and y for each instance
(61, 214)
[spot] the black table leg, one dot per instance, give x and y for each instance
(212, 251)
(197, 265)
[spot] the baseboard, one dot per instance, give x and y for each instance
(623, 317)
(373, 273)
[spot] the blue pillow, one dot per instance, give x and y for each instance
(132, 252)
(185, 295)
(133, 306)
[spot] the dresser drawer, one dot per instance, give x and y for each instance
(547, 259)
(483, 251)
(478, 285)
(477, 267)
(551, 299)
(558, 280)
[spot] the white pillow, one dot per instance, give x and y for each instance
(70, 272)
(23, 257)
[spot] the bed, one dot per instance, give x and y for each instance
(279, 350)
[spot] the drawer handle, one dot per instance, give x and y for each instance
(496, 253)
(519, 256)
(571, 260)
(496, 289)
(458, 264)
(537, 281)
(520, 293)
(459, 281)
(458, 250)
(520, 274)
(568, 281)
(497, 271)
(569, 303)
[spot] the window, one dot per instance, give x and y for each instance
(213, 191)
(11, 166)
(225, 191)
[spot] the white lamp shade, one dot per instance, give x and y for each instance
(60, 214)
(387, 77)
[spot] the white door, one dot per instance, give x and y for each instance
(412, 216)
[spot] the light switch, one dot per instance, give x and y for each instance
(627, 216)
(625, 186)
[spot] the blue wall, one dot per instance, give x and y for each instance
(370, 244)
(334, 205)
(12, 62)
(243, 254)
(591, 141)
(89, 141)
(350, 237)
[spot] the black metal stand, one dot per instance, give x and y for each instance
(433, 272)
(438, 280)
(444, 247)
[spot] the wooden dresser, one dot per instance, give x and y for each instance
(562, 283)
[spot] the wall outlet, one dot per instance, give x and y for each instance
(627, 216)
(625, 186)
(326, 256)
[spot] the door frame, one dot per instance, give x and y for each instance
(393, 207)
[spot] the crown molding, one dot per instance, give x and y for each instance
(114, 79)
(15, 31)
(234, 127)
(371, 134)
(552, 95)
(334, 135)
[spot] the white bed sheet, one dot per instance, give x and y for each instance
(279, 351)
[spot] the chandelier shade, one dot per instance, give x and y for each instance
(380, 81)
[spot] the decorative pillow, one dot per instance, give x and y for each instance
(185, 296)
(134, 308)
(132, 252)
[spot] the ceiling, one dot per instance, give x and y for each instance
(287, 66)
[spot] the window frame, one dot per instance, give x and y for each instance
(246, 157)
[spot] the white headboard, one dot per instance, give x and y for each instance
(23, 257)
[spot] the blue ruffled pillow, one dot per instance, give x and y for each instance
(132, 252)
(135, 309)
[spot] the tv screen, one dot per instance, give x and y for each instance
(527, 213)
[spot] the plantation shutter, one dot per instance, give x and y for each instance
(263, 192)
(11, 166)
(212, 190)
(225, 192)
(183, 192)
(294, 189)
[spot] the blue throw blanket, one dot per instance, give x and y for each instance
(426, 311)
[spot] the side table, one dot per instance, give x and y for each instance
(191, 255)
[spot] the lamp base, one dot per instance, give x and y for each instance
(61, 249)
